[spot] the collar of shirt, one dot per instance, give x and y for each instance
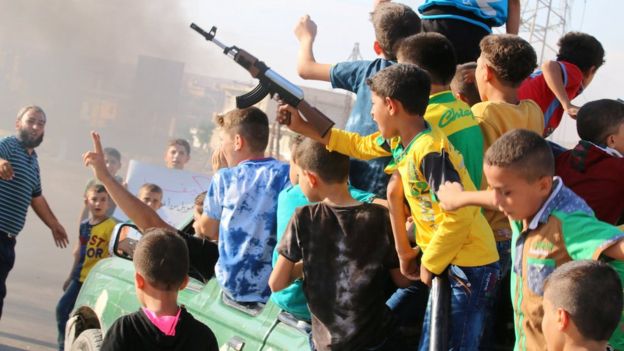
(542, 215)
(396, 147)
(608, 150)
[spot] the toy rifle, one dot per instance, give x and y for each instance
(270, 83)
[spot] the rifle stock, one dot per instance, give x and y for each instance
(321, 123)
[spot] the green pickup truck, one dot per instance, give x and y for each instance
(108, 293)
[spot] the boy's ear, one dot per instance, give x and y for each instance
(184, 283)
(377, 48)
(545, 185)
(239, 141)
(489, 73)
(311, 177)
(139, 281)
(563, 319)
(392, 105)
(461, 97)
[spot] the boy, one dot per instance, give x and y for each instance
(463, 84)
(292, 299)
(177, 154)
(505, 61)
(594, 168)
(550, 224)
(161, 263)
(392, 22)
(582, 306)
(460, 241)
(434, 53)
(344, 249)
(559, 82)
(92, 246)
(112, 157)
(241, 205)
(151, 195)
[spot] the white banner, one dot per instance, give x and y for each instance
(179, 190)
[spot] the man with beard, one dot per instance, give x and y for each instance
(20, 186)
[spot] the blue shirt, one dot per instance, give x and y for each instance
(486, 14)
(351, 76)
(292, 299)
(17, 193)
(244, 201)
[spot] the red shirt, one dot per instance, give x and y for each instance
(595, 176)
(536, 89)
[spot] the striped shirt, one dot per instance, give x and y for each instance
(17, 193)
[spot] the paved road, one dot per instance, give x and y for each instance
(34, 285)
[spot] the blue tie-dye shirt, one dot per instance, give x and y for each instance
(244, 201)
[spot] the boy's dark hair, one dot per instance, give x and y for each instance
(180, 142)
(405, 83)
(393, 22)
(97, 188)
(582, 50)
(199, 199)
(332, 167)
(511, 57)
(112, 152)
(151, 188)
(464, 82)
(524, 151)
(251, 123)
(431, 52)
(162, 258)
(596, 120)
(591, 293)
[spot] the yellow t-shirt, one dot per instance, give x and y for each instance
(496, 119)
(460, 237)
(94, 244)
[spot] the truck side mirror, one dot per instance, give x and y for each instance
(126, 236)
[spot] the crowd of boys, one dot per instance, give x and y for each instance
(442, 171)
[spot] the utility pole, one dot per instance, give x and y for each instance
(355, 55)
(543, 22)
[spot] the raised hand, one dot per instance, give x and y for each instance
(95, 158)
(305, 29)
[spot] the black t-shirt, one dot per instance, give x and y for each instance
(347, 253)
(203, 255)
(135, 332)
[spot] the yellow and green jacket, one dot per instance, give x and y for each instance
(564, 229)
(454, 118)
(460, 237)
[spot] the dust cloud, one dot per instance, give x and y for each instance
(132, 70)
